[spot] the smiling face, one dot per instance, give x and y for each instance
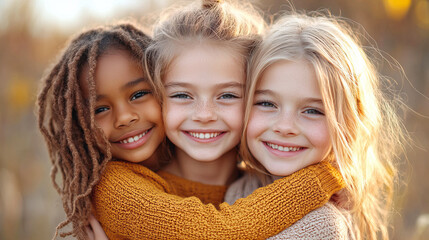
(203, 111)
(126, 110)
(287, 128)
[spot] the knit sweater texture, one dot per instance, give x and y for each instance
(327, 222)
(133, 202)
(182, 187)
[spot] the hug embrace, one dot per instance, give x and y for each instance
(218, 126)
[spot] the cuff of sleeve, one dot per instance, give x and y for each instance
(330, 178)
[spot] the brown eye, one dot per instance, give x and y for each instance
(100, 110)
(139, 94)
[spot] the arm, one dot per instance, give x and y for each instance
(135, 204)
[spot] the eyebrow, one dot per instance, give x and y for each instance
(128, 85)
(264, 92)
(220, 85)
(271, 93)
(133, 83)
(314, 100)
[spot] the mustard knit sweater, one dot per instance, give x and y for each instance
(133, 202)
(182, 187)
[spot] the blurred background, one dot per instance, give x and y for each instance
(32, 32)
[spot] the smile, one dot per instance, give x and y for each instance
(134, 138)
(204, 135)
(283, 148)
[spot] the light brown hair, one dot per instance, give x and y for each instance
(236, 26)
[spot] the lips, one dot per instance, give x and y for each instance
(204, 135)
(132, 136)
(283, 148)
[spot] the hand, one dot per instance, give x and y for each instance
(94, 231)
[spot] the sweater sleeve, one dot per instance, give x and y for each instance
(132, 203)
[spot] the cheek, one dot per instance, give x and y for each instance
(153, 111)
(105, 124)
(173, 115)
(256, 126)
(233, 115)
(319, 135)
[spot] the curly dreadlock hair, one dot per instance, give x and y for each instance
(77, 147)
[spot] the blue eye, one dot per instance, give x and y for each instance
(313, 111)
(180, 95)
(100, 110)
(265, 104)
(139, 94)
(228, 96)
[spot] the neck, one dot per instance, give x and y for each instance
(153, 162)
(221, 171)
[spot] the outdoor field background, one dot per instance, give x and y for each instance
(32, 32)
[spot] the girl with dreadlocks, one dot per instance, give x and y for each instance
(83, 109)
(314, 96)
(199, 54)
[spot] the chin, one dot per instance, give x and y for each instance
(200, 158)
(279, 172)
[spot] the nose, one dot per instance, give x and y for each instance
(125, 116)
(205, 111)
(286, 124)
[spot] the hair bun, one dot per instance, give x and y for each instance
(211, 3)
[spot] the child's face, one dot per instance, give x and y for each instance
(287, 129)
(126, 110)
(204, 107)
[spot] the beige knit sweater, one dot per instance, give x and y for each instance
(326, 222)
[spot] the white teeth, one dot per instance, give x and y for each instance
(204, 135)
(283, 149)
(134, 139)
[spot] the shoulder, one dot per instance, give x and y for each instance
(242, 187)
(124, 175)
(326, 222)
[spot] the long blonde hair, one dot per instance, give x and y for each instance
(234, 25)
(365, 131)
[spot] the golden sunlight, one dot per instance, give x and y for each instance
(397, 9)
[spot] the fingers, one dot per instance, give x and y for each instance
(89, 233)
(97, 230)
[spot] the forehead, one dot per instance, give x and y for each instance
(210, 62)
(112, 66)
(291, 77)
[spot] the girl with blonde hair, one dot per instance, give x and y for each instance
(314, 96)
